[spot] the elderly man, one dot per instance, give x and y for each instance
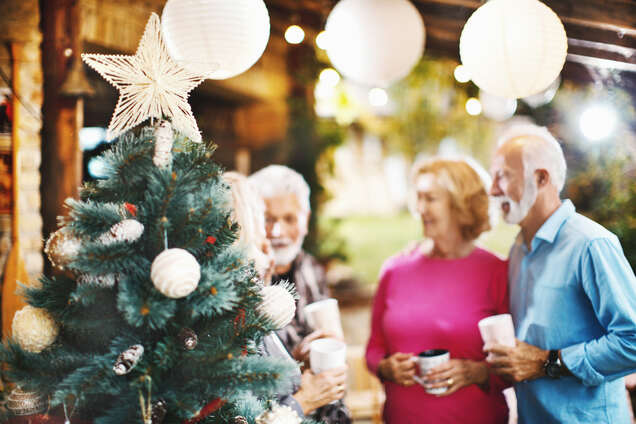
(286, 196)
(572, 293)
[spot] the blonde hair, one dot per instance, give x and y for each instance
(248, 209)
(468, 193)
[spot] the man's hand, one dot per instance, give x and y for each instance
(520, 363)
(398, 368)
(301, 351)
(455, 374)
(317, 390)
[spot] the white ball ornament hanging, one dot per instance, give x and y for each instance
(278, 305)
(218, 39)
(175, 273)
(34, 329)
(375, 42)
(62, 247)
(513, 49)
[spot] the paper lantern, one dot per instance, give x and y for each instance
(513, 49)
(543, 97)
(216, 38)
(375, 42)
(175, 273)
(495, 107)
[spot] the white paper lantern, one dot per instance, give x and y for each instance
(216, 38)
(543, 97)
(495, 107)
(514, 48)
(278, 305)
(375, 42)
(175, 273)
(34, 329)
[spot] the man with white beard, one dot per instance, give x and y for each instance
(287, 209)
(572, 293)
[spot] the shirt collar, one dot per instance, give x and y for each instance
(552, 225)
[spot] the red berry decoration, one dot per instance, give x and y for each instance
(211, 239)
(132, 209)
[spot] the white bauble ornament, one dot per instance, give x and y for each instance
(175, 273)
(279, 414)
(128, 230)
(278, 305)
(513, 49)
(21, 403)
(217, 39)
(34, 329)
(62, 247)
(375, 42)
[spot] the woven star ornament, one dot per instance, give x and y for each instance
(150, 84)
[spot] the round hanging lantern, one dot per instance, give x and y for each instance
(375, 42)
(513, 49)
(497, 108)
(216, 38)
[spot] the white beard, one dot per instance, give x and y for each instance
(283, 256)
(519, 210)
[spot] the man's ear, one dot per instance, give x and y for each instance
(542, 177)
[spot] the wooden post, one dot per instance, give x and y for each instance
(63, 115)
(15, 271)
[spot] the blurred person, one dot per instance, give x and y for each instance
(286, 196)
(572, 292)
(309, 391)
(433, 297)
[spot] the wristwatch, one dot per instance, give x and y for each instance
(553, 367)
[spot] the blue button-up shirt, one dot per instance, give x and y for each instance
(575, 291)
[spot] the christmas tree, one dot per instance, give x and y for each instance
(155, 314)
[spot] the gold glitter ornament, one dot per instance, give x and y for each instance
(34, 329)
(62, 247)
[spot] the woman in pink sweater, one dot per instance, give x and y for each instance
(433, 298)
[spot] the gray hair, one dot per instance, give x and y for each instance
(279, 180)
(547, 155)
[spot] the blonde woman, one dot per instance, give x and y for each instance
(433, 297)
(310, 391)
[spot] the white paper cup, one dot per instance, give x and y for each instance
(497, 329)
(324, 315)
(325, 354)
(428, 360)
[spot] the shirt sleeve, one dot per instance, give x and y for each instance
(376, 348)
(610, 285)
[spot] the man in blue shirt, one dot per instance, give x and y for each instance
(572, 293)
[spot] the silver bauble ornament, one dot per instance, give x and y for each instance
(21, 402)
(34, 329)
(175, 273)
(278, 305)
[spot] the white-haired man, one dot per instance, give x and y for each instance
(287, 209)
(572, 293)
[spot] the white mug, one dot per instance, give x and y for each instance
(428, 360)
(324, 315)
(325, 354)
(497, 329)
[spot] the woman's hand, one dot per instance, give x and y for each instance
(398, 368)
(317, 390)
(455, 374)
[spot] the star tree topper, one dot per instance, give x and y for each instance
(150, 83)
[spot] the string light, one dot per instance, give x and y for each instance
(473, 106)
(294, 34)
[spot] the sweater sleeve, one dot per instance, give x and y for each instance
(376, 347)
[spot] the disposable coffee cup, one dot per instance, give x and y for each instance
(324, 315)
(325, 354)
(428, 360)
(497, 329)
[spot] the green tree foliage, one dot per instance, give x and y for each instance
(182, 205)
